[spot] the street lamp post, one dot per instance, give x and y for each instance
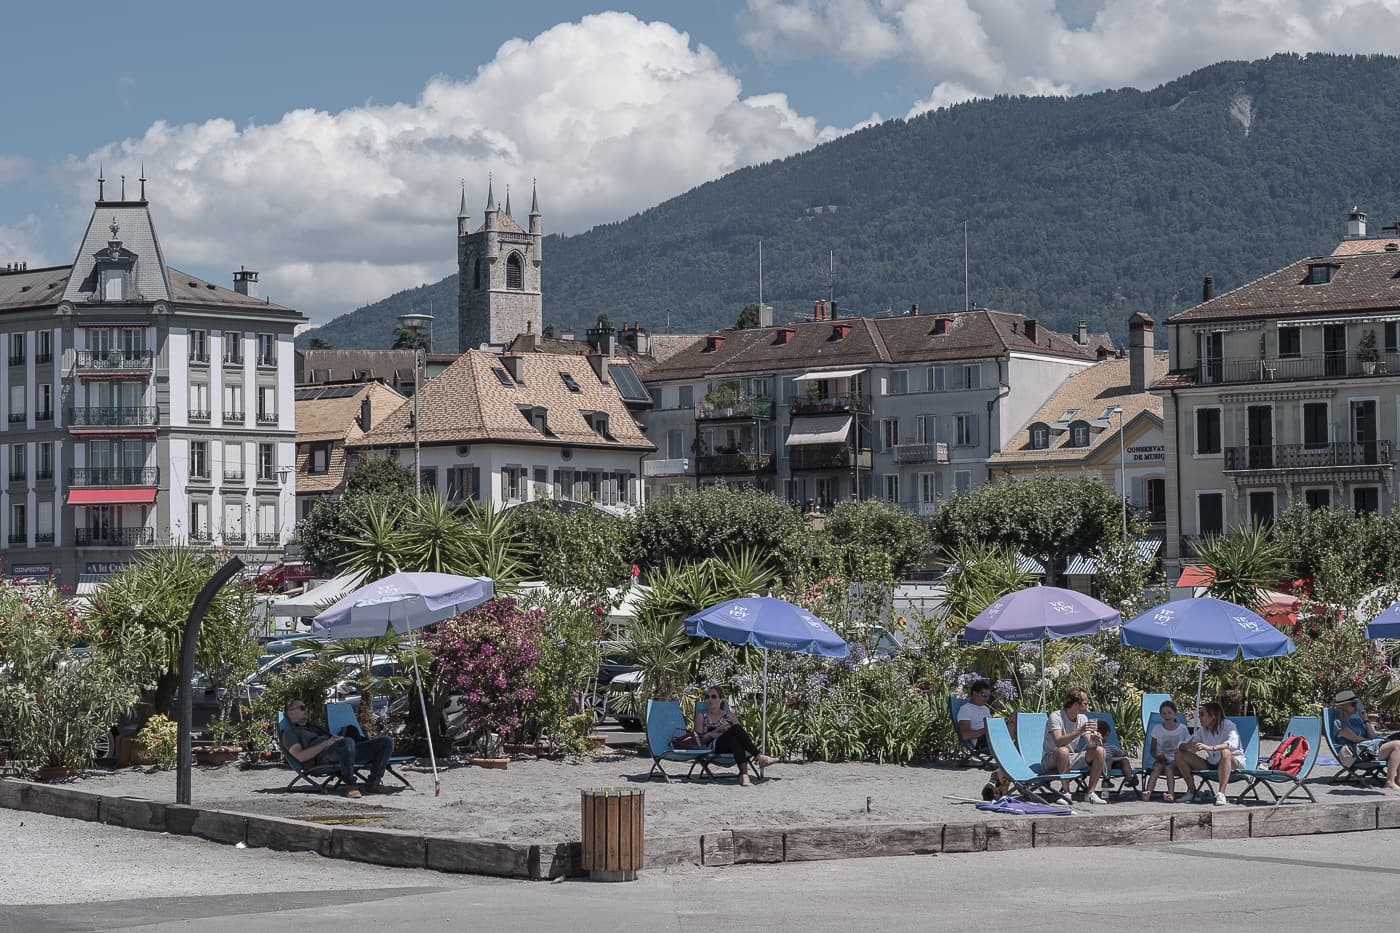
(416, 323)
(1122, 471)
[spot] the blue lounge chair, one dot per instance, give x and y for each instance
(664, 721)
(1116, 772)
(1309, 728)
(321, 777)
(1030, 734)
(1151, 706)
(1360, 773)
(1027, 779)
(340, 716)
(968, 752)
(1248, 727)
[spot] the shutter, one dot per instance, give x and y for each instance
(1135, 496)
(972, 430)
(475, 492)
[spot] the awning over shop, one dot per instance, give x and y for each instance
(819, 429)
(111, 496)
(818, 375)
(89, 582)
(314, 600)
(1147, 549)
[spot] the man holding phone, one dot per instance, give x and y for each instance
(1072, 743)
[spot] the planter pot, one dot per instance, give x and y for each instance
(56, 773)
(130, 752)
(597, 741)
(1369, 367)
(538, 748)
(217, 756)
(498, 763)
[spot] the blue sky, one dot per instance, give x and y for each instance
(323, 144)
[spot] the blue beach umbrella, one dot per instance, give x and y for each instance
(767, 622)
(404, 602)
(1206, 628)
(1038, 613)
(1387, 624)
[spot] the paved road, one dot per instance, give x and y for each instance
(62, 876)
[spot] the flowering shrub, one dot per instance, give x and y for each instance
(486, 656)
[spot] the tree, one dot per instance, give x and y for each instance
(1048, 517)
(692, 526)
(583, 549)
(604, 322)
(316, 343)
(550, 331)
(876, 542)
(749, 317)
(408, 338)
(381, 477)
(1244, 563)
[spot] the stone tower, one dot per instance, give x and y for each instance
(498, 275)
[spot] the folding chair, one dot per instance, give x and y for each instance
(340, 716)
(321, 777)
(968, 752)
(1028, 780)
(1248, 727)
(1116, 772)
(664, 720)
(1307, 727)
(1151, 706)
(1360, 773)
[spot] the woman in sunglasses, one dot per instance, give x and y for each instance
(717, 726)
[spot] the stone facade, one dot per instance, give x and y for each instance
(498, 286)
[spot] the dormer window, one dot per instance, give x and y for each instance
(538, 417)
(1079, 434)
(1040, 436)
(1320, 273)
(598, 421)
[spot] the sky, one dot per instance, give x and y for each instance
(326, 145)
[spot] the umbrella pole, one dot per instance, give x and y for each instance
(1042, 672)
(423, 705)
(763, 738)
(1200, 676)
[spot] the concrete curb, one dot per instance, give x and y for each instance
(763, 844)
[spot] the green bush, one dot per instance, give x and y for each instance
(161, 736)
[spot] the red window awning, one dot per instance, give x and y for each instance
(111, 496)
(1196, 575)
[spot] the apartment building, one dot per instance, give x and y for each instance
(143, 406)
(328, 417)
(1286, 389)
(904, 409)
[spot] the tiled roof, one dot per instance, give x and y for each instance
(468, 402)
(336, 420)
(1360, 282)
(33, 287)
(187, 288)
(869, 341)
(504, 224)
(1373, 244)
(1089, 391)
(342, 365)
(137, 234)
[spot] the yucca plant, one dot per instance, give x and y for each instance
(1246, 562)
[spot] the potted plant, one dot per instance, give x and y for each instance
(1367, 354)
(223, 748)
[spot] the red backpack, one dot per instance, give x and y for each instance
(1290, 755)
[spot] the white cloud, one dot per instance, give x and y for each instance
(20, 243)
(13, 169)
(613, 115)
(984, 47)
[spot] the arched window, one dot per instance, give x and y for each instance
(476, 273)
(1079, 434)
(515, 273)
(1040, 436)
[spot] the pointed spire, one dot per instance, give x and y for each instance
(534, 199)
(101, 183)
(143, 179)
(507, 200)
(123, 187)
(490, 193)
(462, 212)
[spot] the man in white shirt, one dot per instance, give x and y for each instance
(972, 729)
(1072, 743)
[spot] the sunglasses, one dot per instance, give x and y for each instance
(297, 707)
(713, 696)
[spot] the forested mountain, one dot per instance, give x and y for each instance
(1086, 207)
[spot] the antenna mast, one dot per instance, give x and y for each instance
(831, 275)
(967, 294)
(760, 276)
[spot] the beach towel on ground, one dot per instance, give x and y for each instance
(1024, 807)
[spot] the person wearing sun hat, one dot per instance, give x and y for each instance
(1356, 739)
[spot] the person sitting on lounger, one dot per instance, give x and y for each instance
(972, 728)
(1167, 736)
(1114, 756)
(1214, 744)
(308, 743)
(716, 725)
(1357, 739)
(1072, 743)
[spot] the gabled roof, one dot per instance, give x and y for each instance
(1359, 282)
(334, 416)
(33, 287)
(470, 402)
(186, 288)
(137, 234)
(1089, 392)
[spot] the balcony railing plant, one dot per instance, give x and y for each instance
(742, 409)
(113, 476)
(110, 360)
(115, 537)
(826, 457)
(921, 453)
(1308, 456)
(832, 404)
(737, 462)
(142, 416)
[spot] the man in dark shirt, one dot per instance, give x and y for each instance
(308, 743)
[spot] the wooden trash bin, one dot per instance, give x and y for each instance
(614, 823)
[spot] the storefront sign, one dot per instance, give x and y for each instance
(106, 566)
(30, 570)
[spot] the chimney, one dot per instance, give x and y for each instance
(601, 340)
(245, 282)
(1140, 351)
(1032, 329)
(713, 342)
(566, 335)
(765, 315)
(840, 330)
(599, 362)
(819, 310)
(913, 310)
(1082, 336)
(635, 337)
(1208, 289)
(942, 324)
(1356, 223)
(511, 361)
(835, 311)
(365, 411)
(784, 335)
(528, 340)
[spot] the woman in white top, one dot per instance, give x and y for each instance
(1167, 736)
(1214, 744)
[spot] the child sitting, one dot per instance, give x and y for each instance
(1165, 738)
(1114, 756)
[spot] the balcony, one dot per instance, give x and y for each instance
(16, 359)
(17, 417)
(113, 420)
(267, 417)
(1307, 456)
(114, 362)
(18, 537)
(44, 475)
(233, 416)
(43, 357)
(115, 537)
(113, 476)
(1293, 368)
(744, 409)
(235, 538)
(831, 405)
(738, 463)
(268, 539)
(19, 477)
(43, 539)
(680, 467)
(199, 416)
(921, 453)
(201, 536)
(233, 476)
(199, 358)
(233, 359)
(826, 457)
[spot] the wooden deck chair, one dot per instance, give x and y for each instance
(968, 753)
(1309, 728)
(321, 777)
(1360, 773)
(340, 716)
(1028, 780)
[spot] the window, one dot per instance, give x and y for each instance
(44, 467)
(925, 429)
(512, 479)
(233, 461)
(267, 523)
(1392, 337)
(16, 403)
(267, 462)
(267, 350)
(320, 461)
(889, 433)
(1290, 342)
(1207, 431)
(962, 481)
(1155, 499)
(938, 378)
(891, 487)
(233, 347)
(427, 480)
(899, 382)
(113, 283)
(1261, 507)
(199, 459)
(233, 523)
(1366, 499)
(19, 523)
(1210, 512)
(17, 349)
(1319, 273)
(930, 487)
(17, 464)
(199, 348)
(463, 483)
(43, 349)
(598, 421)
(675, 444)
(502, 377)
(1040, 436)
(133, 341)
(1315, 424)
(1079, 434)
(233, 402)
(515, 272)
(199, 401)
(199, 521)
(43, 523)
(1318, 498)
(965, 430)
(972, 376)
(267, 404)
(44, 402)
(686, 397)
(570, 383)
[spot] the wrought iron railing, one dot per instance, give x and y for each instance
(267, 538)
(1307, 456)
(113, 476)
(739, 462)
(832, 404)
(826, 457)
(234, 537)
(118, 360)
(743, 409)
(1330, 365)
(199, 415)
(115, 537)
(921, 453)
(143, 416)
